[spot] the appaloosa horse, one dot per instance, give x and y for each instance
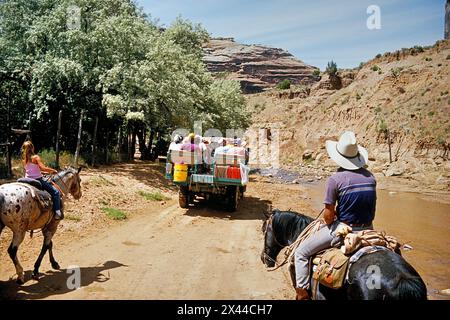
(398, 279)
(21, 211)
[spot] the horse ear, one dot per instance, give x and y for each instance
(79, 169)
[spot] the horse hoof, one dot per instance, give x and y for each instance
(35, 276)
(20, 281)
(56, 266)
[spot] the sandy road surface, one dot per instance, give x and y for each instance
(164, 252)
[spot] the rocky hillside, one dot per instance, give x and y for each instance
(402, 95)
(256, 67)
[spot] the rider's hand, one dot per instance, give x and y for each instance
(329, 214)
(322, 221)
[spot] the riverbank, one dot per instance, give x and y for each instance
(309, 174)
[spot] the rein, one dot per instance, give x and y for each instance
(59, 179)
(290, 251)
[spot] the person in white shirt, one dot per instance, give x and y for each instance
(176, 143)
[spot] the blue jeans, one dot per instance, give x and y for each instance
(56, 197)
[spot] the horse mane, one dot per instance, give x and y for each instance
(287, 225)
(66, 170)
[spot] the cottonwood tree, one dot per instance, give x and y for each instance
(117, 65)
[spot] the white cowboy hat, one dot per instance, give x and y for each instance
(346, 152)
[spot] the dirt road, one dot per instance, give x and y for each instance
(161, 252)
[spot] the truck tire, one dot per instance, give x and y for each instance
(183, 200)
(242, 189)
(183, 197)
(232, 198)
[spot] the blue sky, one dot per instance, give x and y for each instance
(314, 31)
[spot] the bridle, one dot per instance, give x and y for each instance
(269, 225)
(57, 180)
(264, 253)
(292, 246)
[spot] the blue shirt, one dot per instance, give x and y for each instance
(355, 194)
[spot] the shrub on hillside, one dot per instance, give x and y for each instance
(382, 127)
(395, 72)
(419, 48)
(283, 85)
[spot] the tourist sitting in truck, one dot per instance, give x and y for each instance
(236, 149)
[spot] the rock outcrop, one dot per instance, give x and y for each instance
(256, 67)
(335, 82)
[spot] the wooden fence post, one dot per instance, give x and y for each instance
(8, 151)
(77, 152)
(94, 142)
(58, 134)
(129, 142)
(29, 126)
(8, 160)
(119, 142)
(389, 143)
(106, 147)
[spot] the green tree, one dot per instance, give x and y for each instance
(228, 105)
(331, 68)
(118, 66)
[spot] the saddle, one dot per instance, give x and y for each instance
(33, 182)
(43, 197)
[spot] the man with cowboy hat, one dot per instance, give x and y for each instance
(353, 188)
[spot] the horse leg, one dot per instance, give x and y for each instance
(12, 250)
(46, 245)
(55, 264)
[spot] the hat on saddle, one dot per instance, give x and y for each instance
(346, 152)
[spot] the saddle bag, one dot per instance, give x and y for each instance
(332, 269)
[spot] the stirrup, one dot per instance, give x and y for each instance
(58, 217)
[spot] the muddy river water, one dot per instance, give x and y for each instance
(422, 222)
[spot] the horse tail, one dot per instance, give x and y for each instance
(411, 288)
